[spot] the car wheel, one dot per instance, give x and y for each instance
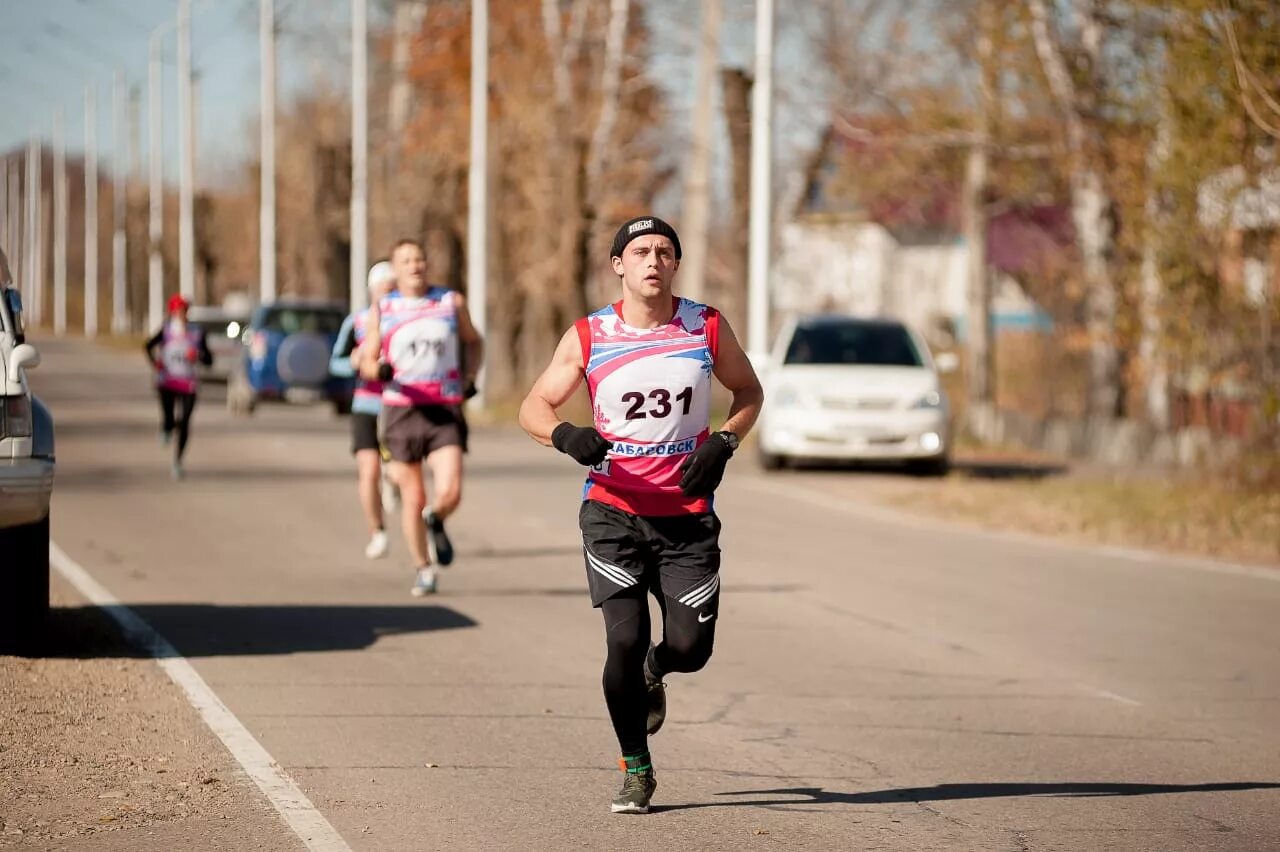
(771, 461)
(24, 599)
(940, 466)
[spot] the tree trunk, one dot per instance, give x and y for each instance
(697, 193)
(981, 337)
(1155, 369)
(406, 24)
(1090, 205)
(737, 108)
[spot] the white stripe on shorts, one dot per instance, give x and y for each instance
(611, 572)
(698, 596)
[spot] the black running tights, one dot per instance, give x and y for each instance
(184, 404)
(685, 647)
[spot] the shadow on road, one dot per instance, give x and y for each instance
(208, 630)
(581, 591)
(951, 792)
(974, 468)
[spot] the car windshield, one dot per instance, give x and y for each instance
(875, 344)
(293, 320)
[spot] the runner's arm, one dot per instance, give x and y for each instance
(469, 337)
(151, 345)
(202, 350)
(734, 370)
(371, 347)
(340, 359)
(552, 389)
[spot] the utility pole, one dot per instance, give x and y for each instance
(761, 186)
(406, 24)
(36, 309)
(186, 144)
(59, 225)
(267, 173)
(478, 178)
(90, 211)
(15, 217)
(359, 153)
(697, 194)
(120, 186)
(155, 169)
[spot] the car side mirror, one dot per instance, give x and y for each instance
(947, 362)
(24, 356)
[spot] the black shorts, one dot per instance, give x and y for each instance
(364, 431)
(414, 432)
(677, 556)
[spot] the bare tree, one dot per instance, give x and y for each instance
(697, 193)
(1089, 201)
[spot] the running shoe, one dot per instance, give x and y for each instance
(377, 546)
(637, 791)
(390, 495)
(425, 583)
(178, 472)
(438, 545)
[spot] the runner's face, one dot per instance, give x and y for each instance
(647, 266)
(410, 265)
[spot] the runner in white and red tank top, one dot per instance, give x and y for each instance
(425, 349)
(173, 353)
(647, 516)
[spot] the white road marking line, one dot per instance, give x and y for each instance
(815, 497)
(289, 801)
(1112, 696)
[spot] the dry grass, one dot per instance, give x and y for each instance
(1176, 514)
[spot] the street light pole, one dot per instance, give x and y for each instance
(155, 169)
(761, 184)
(90, 211)
(59, 225)
(267, 174)
(186, 171)
(477, 179)
(119, 245)
(359, 152)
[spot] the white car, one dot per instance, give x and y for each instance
(841, 387)
(26, 481)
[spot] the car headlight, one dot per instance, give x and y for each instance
(931, 400)
(789, 397)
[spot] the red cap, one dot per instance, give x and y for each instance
(177, 303)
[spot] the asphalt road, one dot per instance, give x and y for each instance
(876, 684)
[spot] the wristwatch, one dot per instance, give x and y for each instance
(730, 439)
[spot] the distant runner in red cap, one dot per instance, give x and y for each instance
(173, 353)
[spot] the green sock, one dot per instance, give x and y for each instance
(636, 763)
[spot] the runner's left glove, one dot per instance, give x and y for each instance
(385, 372)
(583, 443)
(704, 467)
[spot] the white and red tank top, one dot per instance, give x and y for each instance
(420, 342)
(651, 394)
(179, 351)
(368, 392)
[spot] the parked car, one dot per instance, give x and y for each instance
(285, 357)
(223, 330)
(840, 387)
(26, 480)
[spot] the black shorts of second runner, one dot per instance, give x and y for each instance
(364, 431)
(414, 432)
(677, 556)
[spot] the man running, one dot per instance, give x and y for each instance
(366, 405)
(173, 353)
(647, 519)
(423, 345)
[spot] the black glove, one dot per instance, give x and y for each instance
(704, 467)
(583, 443)
(469, 390)
(385, 372)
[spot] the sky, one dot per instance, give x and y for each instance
(50, 50)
